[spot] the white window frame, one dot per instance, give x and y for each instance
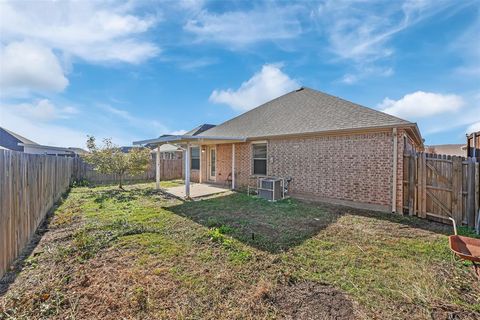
(191, 157)
(252, 164)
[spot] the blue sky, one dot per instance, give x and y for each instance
(136, 69)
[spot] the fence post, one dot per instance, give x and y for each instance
(457, 196)
(411, 184)
(477, 197)
(422, 182)
(470, 213)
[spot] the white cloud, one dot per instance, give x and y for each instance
(43, 132)
(242, 28)
(263, 86)
(134, 121)
(360, 31)
(91, 30)
(27, 66)
(178, 132)
(42, 110)
(363, 72)
(422, 104)
(474, 127)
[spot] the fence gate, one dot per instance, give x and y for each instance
(439, 186)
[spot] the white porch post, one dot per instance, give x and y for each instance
(187, 171)
(233, 166)
(157, 167)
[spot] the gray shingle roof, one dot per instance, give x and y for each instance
(198, 130)
(303, 111)
(19, 137)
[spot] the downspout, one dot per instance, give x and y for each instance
(394, 169)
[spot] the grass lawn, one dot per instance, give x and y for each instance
(140, 254)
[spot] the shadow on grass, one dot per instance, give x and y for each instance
(271, 227)
(279, 226)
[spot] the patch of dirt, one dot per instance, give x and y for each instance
(311, 300)
(449, 313)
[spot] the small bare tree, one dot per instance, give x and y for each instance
(109, 159)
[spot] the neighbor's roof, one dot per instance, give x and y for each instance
(450, 149)
(303, 111)
(201, 128)
(167, 148)
(19, 137)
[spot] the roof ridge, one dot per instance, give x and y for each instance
(251, 110)
(356, 104)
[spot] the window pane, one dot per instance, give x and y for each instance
(260, 167)
(195, 158)
(195, 164)
(260, 151)
(195, 152)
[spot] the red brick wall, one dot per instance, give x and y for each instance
(194, 175)
(355, 167)
(224, 162)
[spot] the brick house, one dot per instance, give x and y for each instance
(333, 149)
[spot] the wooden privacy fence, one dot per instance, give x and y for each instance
(170, 169)
(29, 186)
(439, 186)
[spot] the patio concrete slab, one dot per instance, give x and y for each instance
(197, 190)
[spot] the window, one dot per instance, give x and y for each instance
(260, 158)
(195, 158)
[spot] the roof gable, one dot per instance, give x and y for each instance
(303, 111)
(18, 137)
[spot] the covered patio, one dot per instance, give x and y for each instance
(185, 142)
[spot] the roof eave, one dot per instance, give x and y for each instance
(186, 139)
(40, 146)
(343, 131)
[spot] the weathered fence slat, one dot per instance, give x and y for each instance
(29, 186)
(471, 192)
(439, 186)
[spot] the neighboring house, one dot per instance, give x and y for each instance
(12, 141)
(332, 149)
(169, 152)
(52, 151)
(448, 149)
(200, 129)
